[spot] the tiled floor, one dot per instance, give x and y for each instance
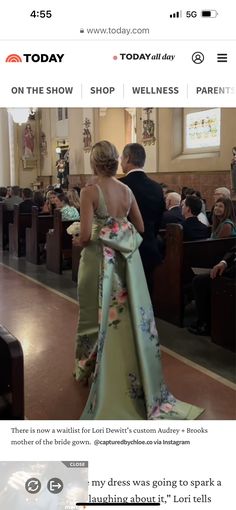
(45, 322)
(198, 349)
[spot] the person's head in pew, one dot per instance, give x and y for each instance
(192, 206)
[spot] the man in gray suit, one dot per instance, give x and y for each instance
(15, 199)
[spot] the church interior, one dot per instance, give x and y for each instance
(41, 148)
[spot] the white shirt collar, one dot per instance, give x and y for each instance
(135, 170)
(172, 207)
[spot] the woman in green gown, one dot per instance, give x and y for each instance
(117, 342)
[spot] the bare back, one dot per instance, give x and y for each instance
(117, 197)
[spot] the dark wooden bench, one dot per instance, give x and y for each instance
(17, 232)
(11, 377)
(76, 252)
(58, 244)
(171, 276)
(36, 235)
(223, 306)
(6, 217)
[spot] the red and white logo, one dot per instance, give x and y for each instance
(13, 58)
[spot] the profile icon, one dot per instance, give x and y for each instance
(198, 57)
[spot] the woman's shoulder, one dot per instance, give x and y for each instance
(89, 189)
(124, 188)
(228, 221)
(227, 228)
(121, 184)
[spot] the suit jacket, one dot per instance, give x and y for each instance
(12, 201)
(26, 206)
(174, 215)
(230, 258)
(149, 196)
(194, 229)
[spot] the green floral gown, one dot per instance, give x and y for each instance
(117, 341)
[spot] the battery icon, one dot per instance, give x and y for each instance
(209, 14)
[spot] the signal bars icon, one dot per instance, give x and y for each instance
(177, 14)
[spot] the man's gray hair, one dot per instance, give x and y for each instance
(174, 198)
(136, 154)
(225, 192)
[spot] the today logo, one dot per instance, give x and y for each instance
(35, 57)
(145, 56)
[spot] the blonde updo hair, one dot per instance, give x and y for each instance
(104, 158)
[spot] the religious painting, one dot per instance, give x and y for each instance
(43, 144)
(29, 145)
(148, 133)
(87, 137)
(203, 129)
(28, 142)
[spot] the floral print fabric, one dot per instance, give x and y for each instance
(117, 342)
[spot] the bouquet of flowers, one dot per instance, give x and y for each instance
(74, 229)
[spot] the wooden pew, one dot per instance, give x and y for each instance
(171, 275)
(17, 232)
(11, 377)
(36, 235)
(58, 244)
(223, 305)
(6, 217)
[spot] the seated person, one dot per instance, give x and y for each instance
(50, 201)
(193, 228)
(40, 203)
(202, 215)
(202, 292)
(218, 193)
(164, 189)
(223, 221)
(14, 199)
(3, 193)
(67, 212)
(27, 204)
(73, 198)
(174, 212)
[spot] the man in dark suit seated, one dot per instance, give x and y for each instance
(202, 291)
(193, 228)
(149, 196)
(174, 211)
(27, 204)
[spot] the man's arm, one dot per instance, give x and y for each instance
(228, 259)
(218, 269)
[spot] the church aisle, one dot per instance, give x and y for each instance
(45, 323)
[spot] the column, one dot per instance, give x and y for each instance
(75, 131)
(4, 149)
(12, 145)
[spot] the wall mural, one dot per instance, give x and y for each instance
(28, 142)
(43, 145)
(148, 133)
(30, 149)
(87, 137)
